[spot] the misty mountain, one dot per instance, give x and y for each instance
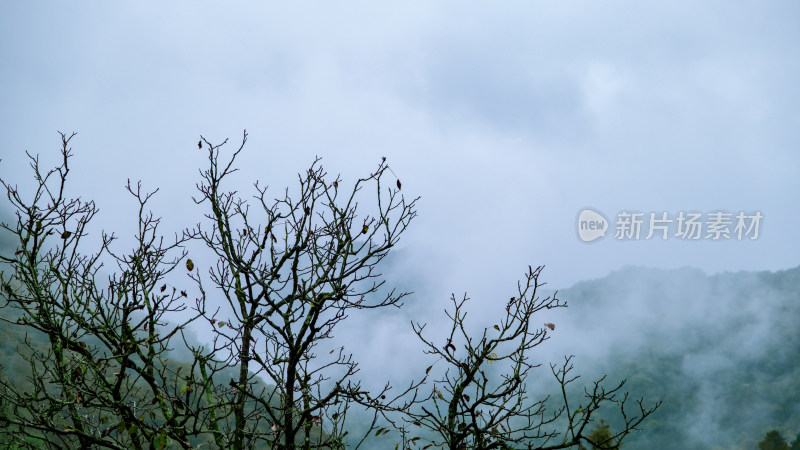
(721, 351)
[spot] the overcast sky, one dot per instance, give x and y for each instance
(507, 119)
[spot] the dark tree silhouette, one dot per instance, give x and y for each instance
(289, 274)
(482, 401)
(773, 440)
(268, 282)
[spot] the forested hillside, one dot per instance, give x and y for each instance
(721, 351)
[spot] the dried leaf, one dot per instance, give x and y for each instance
(550, 325)
(497, 328)
(428, 370)
(163, 288)
(66, 235)
(200, 144)
(189, 265)
(365, 230)
(399, 184)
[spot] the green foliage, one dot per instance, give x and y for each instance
(601, 435)
(773, 440)
(796, 443)
(721, 351)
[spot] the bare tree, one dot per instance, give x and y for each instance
(288, 274)
(102, 379)
(291, 270)
(482, 401)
